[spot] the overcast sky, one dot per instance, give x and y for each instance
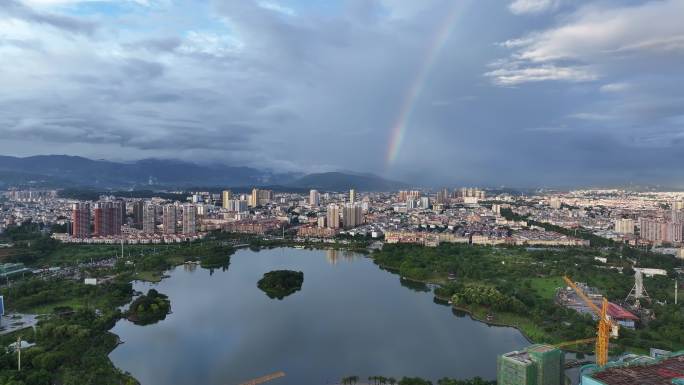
(524, 92)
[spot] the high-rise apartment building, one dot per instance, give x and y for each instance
(352, 196)
(333, 216)
(189, 219)
(555, 203)
(260, 197)
(314, 198)
(237, 205)
(352, 216)
(678, 205)
(425, 202)
(624, 226)
(170, 219)
(138, 213)
(80, 220)
(471, 192)
(651, 229)
(673, 232)
(225, 198)
(108, 218)
(678, 211)
(535, 365)
(403, 194)
(442, 196)
(149, 225)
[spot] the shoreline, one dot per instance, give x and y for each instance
(470, 312)
(365, 252)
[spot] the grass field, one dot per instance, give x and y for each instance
(74, 303)
(546, 287)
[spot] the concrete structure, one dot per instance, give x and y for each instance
(189, 219)
(535, 365)
(149, 225)
(352, 216)
(238, 206)
(138, 214)
(108, 218)
(637, 370)
(333, 216)
(10, 269)
(624, 226)
(352, 196)
(80, 220)
(317, 232)
(260, 197)
(170, 219)
(225, 198)
(470, 192)
(314, 198)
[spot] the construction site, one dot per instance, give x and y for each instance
(545, 364)
(633, 369)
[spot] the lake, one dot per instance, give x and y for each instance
(350, 318)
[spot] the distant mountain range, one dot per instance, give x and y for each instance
(79, 172)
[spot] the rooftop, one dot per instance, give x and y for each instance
(659, 373)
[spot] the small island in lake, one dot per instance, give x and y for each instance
(281, 283)
(148, 309)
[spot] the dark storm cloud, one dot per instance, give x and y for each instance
(555, 92)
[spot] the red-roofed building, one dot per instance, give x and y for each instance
(622, 315)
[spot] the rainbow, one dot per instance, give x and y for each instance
(418, 84)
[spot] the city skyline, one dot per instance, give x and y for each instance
(523, 92)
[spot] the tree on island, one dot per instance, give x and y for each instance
(149, 309)
(281, 283)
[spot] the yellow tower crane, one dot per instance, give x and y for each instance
(605, 324)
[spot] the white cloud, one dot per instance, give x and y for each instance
(57, 3)
(271, 6)
(514, 75)
(532, 6)
(594, 38)
(208, 43)
(592, 116)
(615, 87)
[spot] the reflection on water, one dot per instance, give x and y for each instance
(414, 285)
(348, 319)
(334, 255)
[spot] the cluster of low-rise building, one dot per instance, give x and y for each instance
(639, 218)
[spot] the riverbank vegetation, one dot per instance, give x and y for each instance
(149, 308)
(281, 283)
(516, 286)
(72, 339)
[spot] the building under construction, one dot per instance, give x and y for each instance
(535, 365)
(569, 298)
(637, 370)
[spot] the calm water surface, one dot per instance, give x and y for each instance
(350, 318)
